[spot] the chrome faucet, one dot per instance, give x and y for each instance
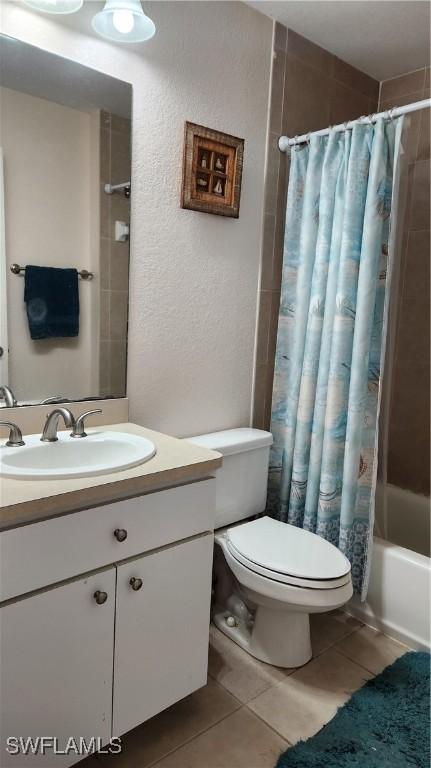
(8, 396)
(15, 434)
(53, 399)
(49, 434)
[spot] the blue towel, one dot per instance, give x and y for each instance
(52, 299)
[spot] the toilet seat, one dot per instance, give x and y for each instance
(287, 554)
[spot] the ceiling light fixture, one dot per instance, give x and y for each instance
(55, 6)
(123, 21)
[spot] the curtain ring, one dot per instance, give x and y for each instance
(390, 114)
(371, 117)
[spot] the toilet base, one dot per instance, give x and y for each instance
(280, 638)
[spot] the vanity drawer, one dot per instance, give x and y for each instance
(44, 553)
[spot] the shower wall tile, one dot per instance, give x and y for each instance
(314, 90)
(399, 86)
(280, 36)
(409, 438)
(306, 97)
(115, 167)
(424, 136)
(414, 120)
(346, 104)
(277, 88)
(355, 79)
(420, 206)
(310, 53)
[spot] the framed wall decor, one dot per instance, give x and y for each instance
(212, 171)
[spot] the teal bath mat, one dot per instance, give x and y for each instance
(386, 724)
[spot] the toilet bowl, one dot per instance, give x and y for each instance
(269, 576)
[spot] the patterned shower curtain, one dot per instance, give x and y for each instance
(331, 336)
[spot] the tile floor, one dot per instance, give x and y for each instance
(249, 712)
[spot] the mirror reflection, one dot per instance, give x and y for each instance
(65, 169)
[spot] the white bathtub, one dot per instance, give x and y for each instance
(398, 600)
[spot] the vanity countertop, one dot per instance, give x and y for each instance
(176, 462)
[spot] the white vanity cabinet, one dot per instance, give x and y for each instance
(161, 639)
(56, 667)
(96, 654)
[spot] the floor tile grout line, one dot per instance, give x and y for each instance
(331, 645)
(358, 663)
(289, 743)
(195, 736)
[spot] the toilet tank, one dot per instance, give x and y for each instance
(242, 480)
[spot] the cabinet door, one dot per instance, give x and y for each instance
(161, 635)
(56, 657)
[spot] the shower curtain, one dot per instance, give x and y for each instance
(331, 336)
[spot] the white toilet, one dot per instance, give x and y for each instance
(269, 576)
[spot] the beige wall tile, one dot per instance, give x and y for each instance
(346, 104)
(273, 325)
(267, 251)
(104, 368)
(105, 213)
(356, 79)
(104, 314)
(299, 706)
(259, 396)
(277, 90)
(118, 314)
(272, 168)
(306, 98)
(268, 395)
(119, 266)
(424, 136)
(120, 124)
(310, 53)
(104, 268)
(280, 36)
(416, 283)
(409, 458)
(117, 364)
(263, 327)
(371, 649)
(420, 205)
(399, 86)
(173, 727)
(239, 741)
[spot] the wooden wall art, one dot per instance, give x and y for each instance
(212, 171)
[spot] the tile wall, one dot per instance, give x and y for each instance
(310, 89)
(409, 432)
(115, 168)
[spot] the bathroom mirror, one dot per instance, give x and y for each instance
(65, 168)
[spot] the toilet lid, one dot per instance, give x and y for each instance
(286, 549)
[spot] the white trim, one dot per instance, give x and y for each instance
(285, 142)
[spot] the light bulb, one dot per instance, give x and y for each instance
(123, 21)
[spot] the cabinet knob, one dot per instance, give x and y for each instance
(120, 534)
(100, 597)
(135, 583)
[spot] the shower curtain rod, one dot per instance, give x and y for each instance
(284, 142)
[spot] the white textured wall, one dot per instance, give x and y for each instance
(194, 276)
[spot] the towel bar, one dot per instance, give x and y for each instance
(84, 274)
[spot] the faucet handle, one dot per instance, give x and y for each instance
(78, 428)
(15, 434)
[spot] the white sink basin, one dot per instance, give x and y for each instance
(97, 454)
